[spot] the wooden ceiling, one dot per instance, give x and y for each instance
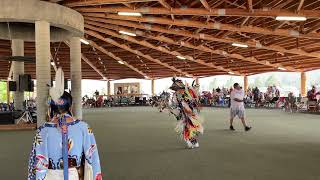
(202, 31)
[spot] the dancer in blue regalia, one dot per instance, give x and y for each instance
(62, 139)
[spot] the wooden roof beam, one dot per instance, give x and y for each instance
(158, 48)
(250, 6)
(313, 28)
(85, 59)
(102, 2)
(164, 4)
(205, 4)
(129, 5)
(185, 44)
(203, 12)
(300, 5)
(137, 52)
(203, 36)
(216, 25)
(116, 58)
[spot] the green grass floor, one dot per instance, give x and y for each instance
(139, 143)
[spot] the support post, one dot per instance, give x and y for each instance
(245, 83)
(17, 46)
(75, 72)
(303, 87)
(197, 80)
(109, 88)
(43, 71)
(152, 87)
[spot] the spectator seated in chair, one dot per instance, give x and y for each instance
(290, 104)
(312, 99)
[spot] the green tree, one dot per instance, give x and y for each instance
(272, 80)
(3, 91)
(213, 84)
(257, 82)
(229, 83)
(314, 80)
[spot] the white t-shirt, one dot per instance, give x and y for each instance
(239, 94)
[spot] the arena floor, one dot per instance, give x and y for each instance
(139, 143)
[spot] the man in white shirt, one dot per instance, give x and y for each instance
(237, 106)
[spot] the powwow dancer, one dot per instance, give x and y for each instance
(63, 139)
(164, 101)
(185, 107)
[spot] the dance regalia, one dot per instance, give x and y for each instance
(163, 101)
(46, 156)
(64, 148)
(185, 107)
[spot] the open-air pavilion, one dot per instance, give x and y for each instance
(111, 40)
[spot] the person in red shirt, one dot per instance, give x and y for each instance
(312, 94)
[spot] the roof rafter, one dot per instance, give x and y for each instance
(205, 4)
(191, 46)
(250, 6)
(203, 36)
(161, 49)
(164, 4)
(300, 5)
(204, 12)
(137, 52)
(216, 25)
(101, 2)
(116, 58)
(85, 59)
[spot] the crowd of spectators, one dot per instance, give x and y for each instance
(6, 107)
(270, 98)
(259, 98)
(255, 98)
(27, 105)
(220, 97)
(97, 100)
(217, 97)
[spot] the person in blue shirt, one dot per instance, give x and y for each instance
(47, 158)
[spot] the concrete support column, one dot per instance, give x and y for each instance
(43, 71)
(17, 46)
(109, 87)
(245, 83)
(75, 72)
(303, 87)
(152, 87)
(197, 80)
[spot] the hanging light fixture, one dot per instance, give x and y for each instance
(127, 33)
(84, 41)
(181, 57)
(282, 69)
(240, 45)
(291, 18)
(129, 14)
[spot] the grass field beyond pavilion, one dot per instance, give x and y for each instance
(139, 143)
